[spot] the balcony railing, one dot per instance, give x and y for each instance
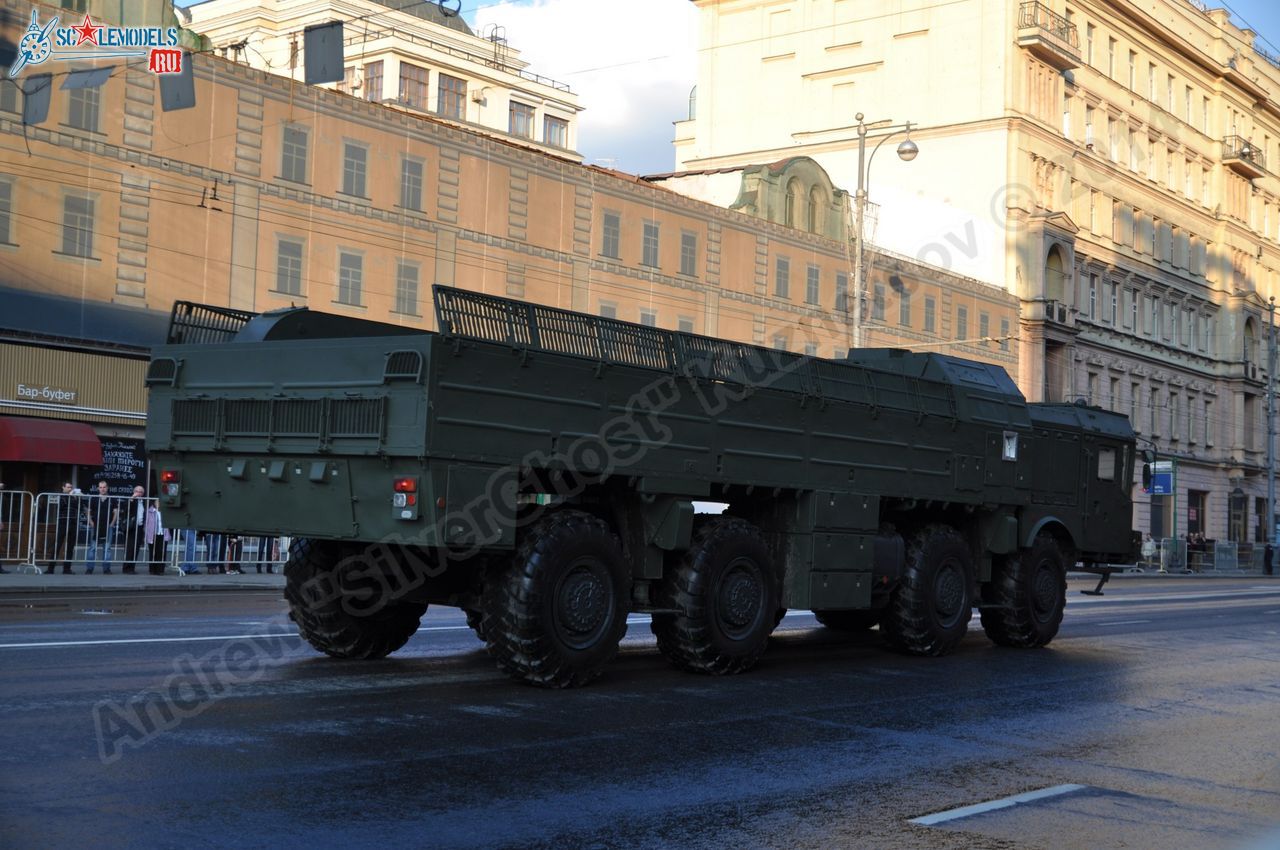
(1048, 35)
(1243, 156)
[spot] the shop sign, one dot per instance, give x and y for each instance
(57, 395)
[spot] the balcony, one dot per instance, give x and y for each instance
(1243, 157)
(1050, 37)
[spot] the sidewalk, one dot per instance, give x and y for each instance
(79, 583)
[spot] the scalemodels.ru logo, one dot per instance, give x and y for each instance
(42, 42)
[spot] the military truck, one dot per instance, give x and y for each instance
(539, 469)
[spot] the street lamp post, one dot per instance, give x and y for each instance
(1271, 422)
(907, 151)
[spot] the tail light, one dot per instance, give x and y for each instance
(404, 497)
(171, 486)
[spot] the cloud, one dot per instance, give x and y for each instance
(631, 63)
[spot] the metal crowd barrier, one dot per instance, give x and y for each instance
(78, 533)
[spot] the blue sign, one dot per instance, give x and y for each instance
(1161, 484)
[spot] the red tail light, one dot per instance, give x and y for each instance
(170, 476)
(408, 484)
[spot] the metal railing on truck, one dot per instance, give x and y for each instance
(536, 327)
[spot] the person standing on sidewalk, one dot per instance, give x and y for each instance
(1148, 551)
(102, 514)
(156, 536)
(134, 528)
(66, 528)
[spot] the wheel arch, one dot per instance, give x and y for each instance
(1053, 527)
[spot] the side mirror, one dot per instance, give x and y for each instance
(1146, 477)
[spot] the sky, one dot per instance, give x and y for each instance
(633, 62)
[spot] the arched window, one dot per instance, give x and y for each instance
(794, 197)
(1055, 276)
(693, 103)
(1250, 341)
(817, 204)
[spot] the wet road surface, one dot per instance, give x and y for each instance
(1152, 721)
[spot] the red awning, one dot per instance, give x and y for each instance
(48, 441)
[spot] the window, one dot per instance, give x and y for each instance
(293, 154)
(1091, 388)
(930, 317)
(1208, 422)
(1093, 296)
(8, 91)
(904, 307)
(780, 342)
(354, 163)
(1066, 115)
(1133, 309)
(812, 290)
(413, 85)
(289, 266)
(817, 204)
(782, 277)
(1204, 117)
(411, 183)
(1114, 311)
(684, 325)
(350, 277)
(649, 245)
(1134, 155)
(520, 120)
(608, 310)
(1088, 125)
(1151, 82)
(984, 327)
(649, 318)
(555, 131)
(811, 349)
(1133, 71)
(1153, 411)
(75, 5)
(1111, 58)
(6, 212)
(611, 235)
(1004, 334)
(877, 302)
(688, 253)
(77, 226)
(842, 291)
(373, 81)
(1186, 104)
(962, 323)
(1168, 94)
(82, 108)
(406, 288)
(1089, 30)
(1113, 138)
(1134, 389)
(1106, 463)
(452, 97)
(1113, 395)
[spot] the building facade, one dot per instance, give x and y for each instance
(405, 54)
(1112, 164)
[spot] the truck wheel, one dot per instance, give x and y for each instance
(930, 609)
(312, 589)
(727, 595)
(1027, 596)
(555, 614)
(848, 621)
(475, 621)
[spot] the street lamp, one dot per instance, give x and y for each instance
(907, 151)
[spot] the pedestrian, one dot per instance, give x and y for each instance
(235, 549)
(1148, 550)
(265, 555)
(66, 527)
(157, 537)
(134, 528)
(102, 514)
(215, 550)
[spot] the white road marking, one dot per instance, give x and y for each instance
(980, 808)
(1173, 597)
(1277, 611)
(1123, 622)
(117, 641)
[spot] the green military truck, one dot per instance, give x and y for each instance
(539, 469)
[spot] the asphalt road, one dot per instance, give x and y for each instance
(1151, 722)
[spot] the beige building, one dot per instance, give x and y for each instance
(1112, 164)
(405, 54)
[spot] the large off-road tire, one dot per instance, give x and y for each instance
(554, 615)
(849, 621)
(930, 609)
(727, 594)
(343, 626)
(1026, 597)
